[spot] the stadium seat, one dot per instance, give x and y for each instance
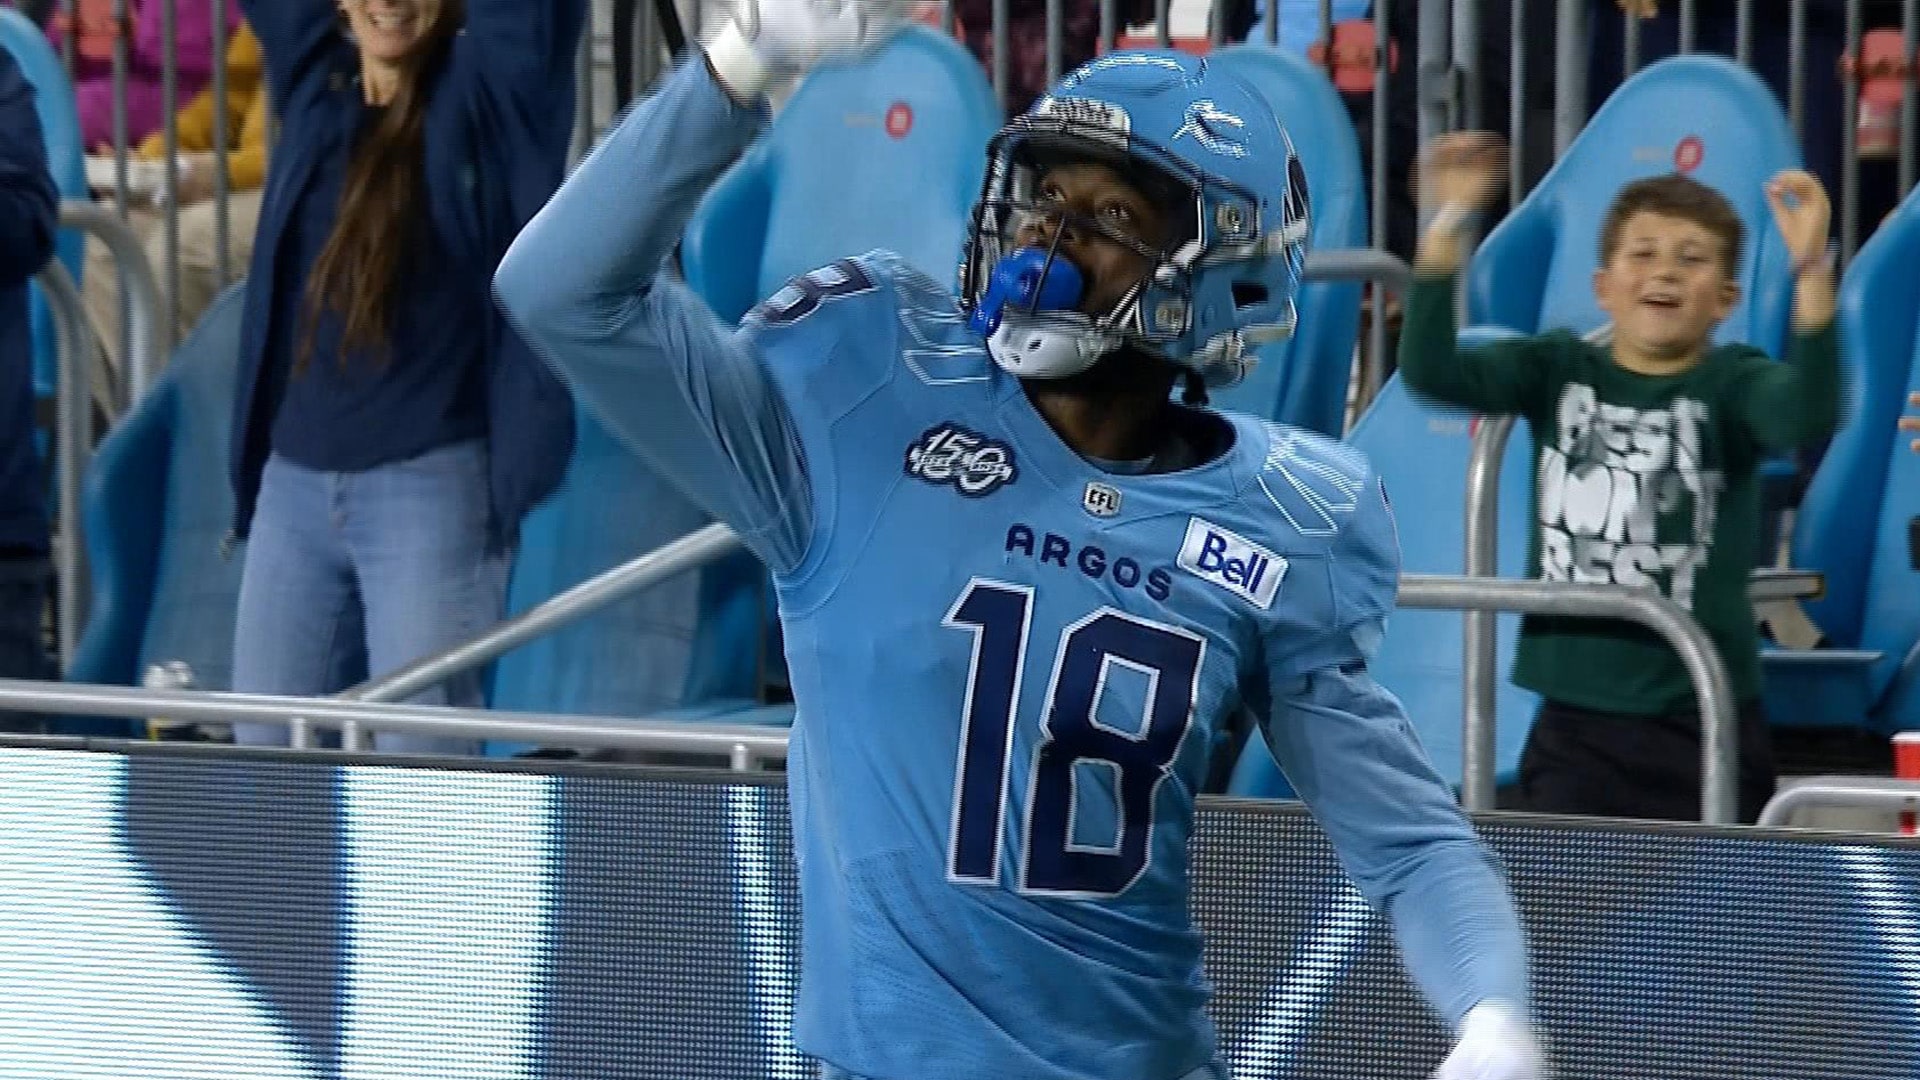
(1535, 271)
(1303, 381)
(1421, 450)
(886, 153)
(669, 650)
(157, 509)
(60, 127)
(1857, 523)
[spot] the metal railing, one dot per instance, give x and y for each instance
(1857, 792)
(145, 351)
(689, 552)
(1719, 745)
(1380, 268)
(73, 447)
(1479, 634)
(746, 747)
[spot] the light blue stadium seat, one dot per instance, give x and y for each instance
(1303, 381)
(1857, 523)
(886, 153)
(60, 127)
(157, 508)
(1421, 450)
(1535, 271)
(669, 650)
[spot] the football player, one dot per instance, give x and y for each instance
(1023, 590)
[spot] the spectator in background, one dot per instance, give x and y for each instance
(1027, 38)
(29, 215)
(391, 430)
(200, 281)
(1912, 423)
(1646, 452)
(146, 59)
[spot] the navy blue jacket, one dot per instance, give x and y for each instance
(499, 120)
(29, 215)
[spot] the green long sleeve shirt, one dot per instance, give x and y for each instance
(1638, 480)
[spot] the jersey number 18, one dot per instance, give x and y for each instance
(999, 616)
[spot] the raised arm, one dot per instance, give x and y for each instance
(294, 35)
(583, 285)
(527, 38)
(1789, 405)
(1460, 175)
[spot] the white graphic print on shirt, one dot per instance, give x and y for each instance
(1611, 477)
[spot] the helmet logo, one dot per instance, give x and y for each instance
(1088, 112)
(1214, 129)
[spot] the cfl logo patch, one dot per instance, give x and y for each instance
(1100, 500)
(1233, 562)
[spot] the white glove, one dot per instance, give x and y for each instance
(1495, 1044)
(766, 40)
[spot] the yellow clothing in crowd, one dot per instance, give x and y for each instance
(247, 108)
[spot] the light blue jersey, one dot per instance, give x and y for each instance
(1011, 666)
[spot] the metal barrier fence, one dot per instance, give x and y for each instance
(73, 447)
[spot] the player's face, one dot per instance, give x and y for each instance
(388, 30)
(1665, 286)
(1069, 198)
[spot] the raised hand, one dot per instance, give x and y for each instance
(1803, 214)
(1463, 169)
(766, 40)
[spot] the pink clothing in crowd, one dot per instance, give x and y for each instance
(93, 74)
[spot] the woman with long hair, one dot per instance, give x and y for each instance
(390, 429)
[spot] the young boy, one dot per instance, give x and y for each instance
(1644, 468)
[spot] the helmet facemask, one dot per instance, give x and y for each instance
(1216, 228)
(1039, 328)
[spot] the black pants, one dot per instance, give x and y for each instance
(1578, 761)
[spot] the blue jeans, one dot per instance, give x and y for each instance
(353, 575)
(1215, 1071)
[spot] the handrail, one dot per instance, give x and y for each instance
(752, 744)
(144, 356)
(689, 552)
(73, 446)
(1866, 792)
(1479, 662)
(1359, 264)
(1719, 749)
(1364, 264)
(745, 745)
